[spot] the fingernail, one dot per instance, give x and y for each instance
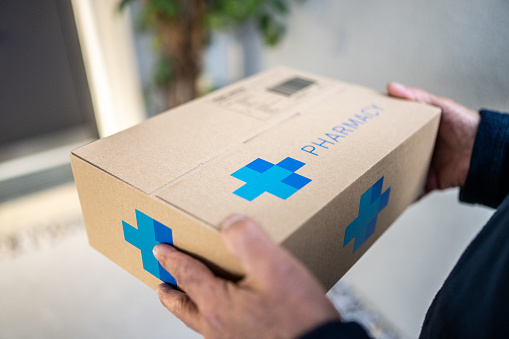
(232, 219)
(398, 85)
(161, 248)
(155, 251)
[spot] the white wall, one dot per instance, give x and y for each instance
(454, 48)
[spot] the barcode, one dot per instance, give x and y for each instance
(291, 86)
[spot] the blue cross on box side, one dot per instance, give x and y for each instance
(261, 176)
(149, 233)
(373, 201)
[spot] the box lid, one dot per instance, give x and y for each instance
(163, 148)
(326, 133)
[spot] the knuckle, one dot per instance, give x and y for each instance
(213, 317)
(184, 304)
(168, 261)
(188, 281)
(195, 277)
(184, 269)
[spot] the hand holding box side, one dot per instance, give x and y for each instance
(278, 298)
(455, 139)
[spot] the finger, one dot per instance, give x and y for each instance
(192, 276)
(411, 93)
(431, 181)
(181, 306)
(248, 242)
(447, 105)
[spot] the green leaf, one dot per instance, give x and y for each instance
(123, 4)
(272, 30)
(156, 43)
(163, 72)
(224, 13)
(167, 8)
(280, 6)
(145, 19)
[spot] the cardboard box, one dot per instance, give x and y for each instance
(323, 165)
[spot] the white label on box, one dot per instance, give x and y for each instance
(268, 97)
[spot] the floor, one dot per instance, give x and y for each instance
(53, 285)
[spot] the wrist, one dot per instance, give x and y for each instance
(471, 128)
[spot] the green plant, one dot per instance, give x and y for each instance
(183, 27)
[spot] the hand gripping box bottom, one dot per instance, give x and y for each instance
(323, 165)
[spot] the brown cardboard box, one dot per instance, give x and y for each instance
(325, 167)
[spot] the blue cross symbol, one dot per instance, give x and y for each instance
(149, 233)
(262, 176)
(372, 203)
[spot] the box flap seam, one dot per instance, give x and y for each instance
(261, 132)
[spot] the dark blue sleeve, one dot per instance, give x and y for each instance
(473, 302)
(487, 181)
(337, 329)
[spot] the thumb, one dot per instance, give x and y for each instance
(247, 241)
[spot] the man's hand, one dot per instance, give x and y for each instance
(278, 298)
(455, 140)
